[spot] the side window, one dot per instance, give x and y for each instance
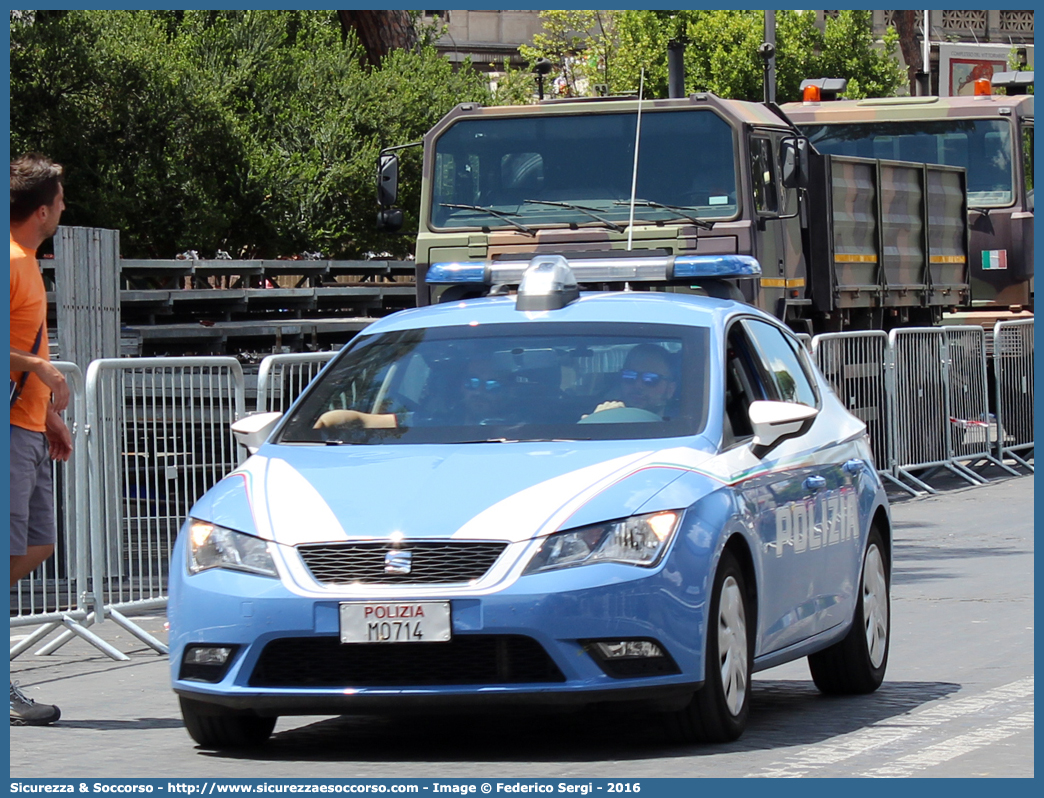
(763, 175)
(743, 384)
(782, 363)
(1027, 161)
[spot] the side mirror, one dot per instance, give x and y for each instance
(793, 158)
(389, 220)
(775, 422)
(253, 430)
(387, 179)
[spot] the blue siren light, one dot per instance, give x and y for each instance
(695, 266)
(441, 273)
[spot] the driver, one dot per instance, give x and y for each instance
(483, 397)
(645, 381)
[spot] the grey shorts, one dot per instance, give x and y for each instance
(32, 506)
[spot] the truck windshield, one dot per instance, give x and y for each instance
(507, 382)
(982, 146)
(577, 170)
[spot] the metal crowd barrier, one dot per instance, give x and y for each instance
(160, 437)
(856, 365)
(282, 378)
(972, 431)
(1013, 374)
(52, 597)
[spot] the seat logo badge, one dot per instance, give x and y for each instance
(398, 562)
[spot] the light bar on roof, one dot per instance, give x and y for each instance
(724, 266)
(655, 268)
(452, 273)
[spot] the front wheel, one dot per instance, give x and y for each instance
(857, 663)
(718, 711)
(212, 726)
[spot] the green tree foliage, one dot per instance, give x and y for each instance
(581, 45)
(256, 132)
(721, 51)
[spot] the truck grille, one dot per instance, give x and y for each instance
(432, 563)
(469, 659)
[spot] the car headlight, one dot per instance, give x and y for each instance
(212, 546)
(638, 540)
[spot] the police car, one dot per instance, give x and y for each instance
(540, 496)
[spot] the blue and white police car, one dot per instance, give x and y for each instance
(539, 496)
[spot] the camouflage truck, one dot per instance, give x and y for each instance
(990, 135)
(841, 242)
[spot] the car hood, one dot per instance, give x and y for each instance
(499, 491)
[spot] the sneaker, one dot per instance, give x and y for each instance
(26, 712)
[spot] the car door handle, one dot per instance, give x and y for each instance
(852, 466)
(815, 483)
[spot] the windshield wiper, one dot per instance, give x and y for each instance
(491, 211)
(584, 210)
(679, 209)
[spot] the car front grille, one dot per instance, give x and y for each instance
(468, 659)
(432, 563)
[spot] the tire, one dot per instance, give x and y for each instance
(856, 664)
(212, 726)
(719, 710)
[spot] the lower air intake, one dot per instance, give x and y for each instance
(470, 659)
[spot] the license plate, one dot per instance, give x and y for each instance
(395, 622)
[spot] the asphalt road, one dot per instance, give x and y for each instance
(957, 700)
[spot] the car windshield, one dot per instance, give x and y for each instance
(577, 170)
(509, 382)
(983, 147)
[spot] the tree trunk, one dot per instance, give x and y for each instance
(379, 32)
(906, 27)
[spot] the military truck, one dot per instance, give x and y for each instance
(841, 242)
(989, 134)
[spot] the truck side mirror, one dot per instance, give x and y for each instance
(387, 179)
(793, 159)
(389, 220)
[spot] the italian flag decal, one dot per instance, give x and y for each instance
(994, 259)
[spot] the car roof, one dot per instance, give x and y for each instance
(627, 307)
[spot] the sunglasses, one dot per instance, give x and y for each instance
(648, 378)
(477, 384)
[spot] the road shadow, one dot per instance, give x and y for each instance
(783, 714)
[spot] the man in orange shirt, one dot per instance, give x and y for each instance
(38, 434)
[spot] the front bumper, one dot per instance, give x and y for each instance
(556, 613)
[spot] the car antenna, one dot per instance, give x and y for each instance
(634, 173)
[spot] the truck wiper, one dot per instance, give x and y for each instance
(582, 209)
(491, 211)
(679, 209)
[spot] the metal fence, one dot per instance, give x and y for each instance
(161, 437)
(856, 365)
(51, 589)
(1013, 375)
(282, 378)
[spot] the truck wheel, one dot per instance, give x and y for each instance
(718, 711)
(216, 727)
(857, 663)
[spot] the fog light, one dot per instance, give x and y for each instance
(206, 663)
(630, 659)
(210, 655)
(629, 649)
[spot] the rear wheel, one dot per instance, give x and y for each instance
(216, 727)
(857, 663)
(718, 711)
